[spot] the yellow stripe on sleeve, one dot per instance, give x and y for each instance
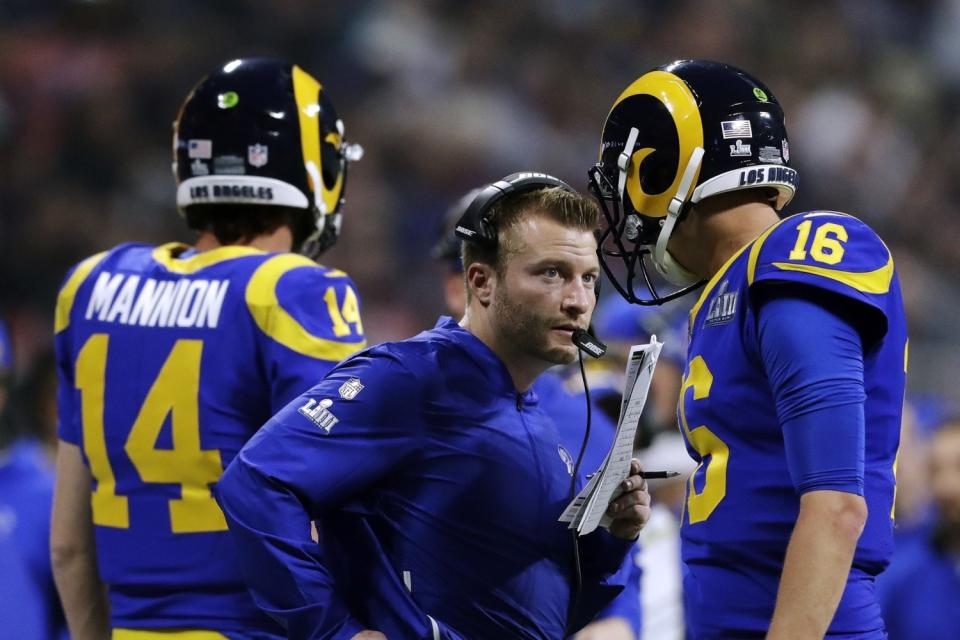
(875, 282)
(69, 291)
(278, 324)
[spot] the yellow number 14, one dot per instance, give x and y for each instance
(343, 317)
(174, 392)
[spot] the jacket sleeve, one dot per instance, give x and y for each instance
(627, 604)
(330, 446)
(605, 564)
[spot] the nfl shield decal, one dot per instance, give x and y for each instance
(350, 389)
(257, 155)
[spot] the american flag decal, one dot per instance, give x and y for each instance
(199, 149)
(736, 129)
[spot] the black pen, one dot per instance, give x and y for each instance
(659, 475)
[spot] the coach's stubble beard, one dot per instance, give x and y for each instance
(530, 333)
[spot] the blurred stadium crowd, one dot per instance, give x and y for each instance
(448, 95)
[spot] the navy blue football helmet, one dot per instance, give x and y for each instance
(678, 134)
(263, 131)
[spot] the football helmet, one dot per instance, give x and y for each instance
(263, 131)
(678, 134)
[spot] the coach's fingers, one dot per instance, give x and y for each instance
(633, 483)
(628, 523)
(628, 499)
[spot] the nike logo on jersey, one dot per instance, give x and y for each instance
(122, 298)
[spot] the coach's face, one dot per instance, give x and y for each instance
(546, 288)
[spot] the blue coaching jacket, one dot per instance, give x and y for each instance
(437, 488)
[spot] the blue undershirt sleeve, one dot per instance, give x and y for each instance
(813, 357)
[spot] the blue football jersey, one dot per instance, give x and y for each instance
(169, 360)
(741, 502)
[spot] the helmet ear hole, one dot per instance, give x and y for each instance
(331, 140)
(331, 165)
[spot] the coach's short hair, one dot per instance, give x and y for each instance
(565, 207)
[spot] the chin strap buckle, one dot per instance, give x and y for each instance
(623, 160)
(676, 204)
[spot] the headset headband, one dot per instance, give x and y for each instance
(475, 224)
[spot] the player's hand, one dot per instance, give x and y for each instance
(631, 510)
(366, 634)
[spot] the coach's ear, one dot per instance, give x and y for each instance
(481, 281)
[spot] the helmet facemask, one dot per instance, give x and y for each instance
(630, 238)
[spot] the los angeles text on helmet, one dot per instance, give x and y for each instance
(761, 175)
(246, 192)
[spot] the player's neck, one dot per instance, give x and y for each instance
(712, 235)
(736, 228)
(279, 240)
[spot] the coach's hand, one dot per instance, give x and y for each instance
(631, 510)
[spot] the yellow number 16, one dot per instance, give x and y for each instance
(827, 242)
(175, 391)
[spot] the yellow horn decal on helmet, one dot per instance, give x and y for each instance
(332, 197)
(306, 91)
(680, 103)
